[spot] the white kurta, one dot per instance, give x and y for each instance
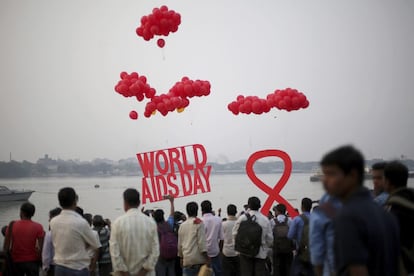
(134, 243)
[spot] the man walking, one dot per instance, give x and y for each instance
(366, 237)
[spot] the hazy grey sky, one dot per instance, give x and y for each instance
(353, 59)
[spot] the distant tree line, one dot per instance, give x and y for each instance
(46, 167)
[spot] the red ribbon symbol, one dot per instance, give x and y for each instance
(274, 194)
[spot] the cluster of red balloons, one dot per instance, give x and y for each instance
(287, 99)
(132, 85)
(189, 88)
(161, 22)
(177, 97)
(248, 105)
(165, 103)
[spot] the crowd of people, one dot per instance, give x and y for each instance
(351, 231)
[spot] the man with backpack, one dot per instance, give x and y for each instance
(401, 204)
(299, 232)
(282, 246)
(168, 241)
(253, 238)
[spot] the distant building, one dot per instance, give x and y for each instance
(49, 163)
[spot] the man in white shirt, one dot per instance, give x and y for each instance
(71, 235)
(231, 264)
(192, 248)
(255, 266)
(48, 251)
(134, 245)
(214, 236)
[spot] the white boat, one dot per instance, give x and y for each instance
(14, 195)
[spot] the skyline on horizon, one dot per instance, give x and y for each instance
(353, 60)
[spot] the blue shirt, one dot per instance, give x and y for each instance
(381, 198)
(170, 221)
(321, 234)
(296, 228)
(366, 235)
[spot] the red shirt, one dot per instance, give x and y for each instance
(24, 241)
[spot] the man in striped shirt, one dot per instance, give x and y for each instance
(134, 245)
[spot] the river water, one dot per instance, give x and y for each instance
(107, 199)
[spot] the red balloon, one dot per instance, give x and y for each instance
(256, 107)
(161, 43)
(133, 115)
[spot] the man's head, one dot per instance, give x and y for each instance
(396, 176)
(98, 221)
(343, 171)
(206, 207)
(178, 216)
(67, 198)
(306, 205)
(254, 203)
(27, 210)
(131, 199)
(231, 210)
(280, 209)
(54, 212)
(378, 180)
(158, 216)
(192, 209)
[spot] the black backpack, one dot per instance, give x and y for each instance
(406, 210)
(249, 237)
(282, 244)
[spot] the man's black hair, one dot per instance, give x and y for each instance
(178, 216)
(281, 208)
(158, 216)
(4, 230)
(27, 209)
(206, 207)
(231, 210)
(397, 174)
(347, 159)
(55, 212)
(98, 221)
(380, 166)
(88, 218)
(79, 210)
(254, 203)
(192, 209)
(67, 197)
(306, 204)
(131, 197)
